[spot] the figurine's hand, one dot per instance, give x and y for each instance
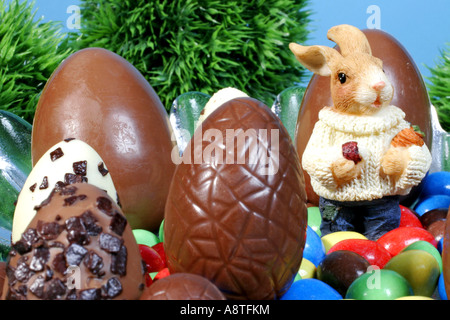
(344, 170)
(394, 161)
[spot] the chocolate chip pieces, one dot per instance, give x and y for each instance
(85, 238)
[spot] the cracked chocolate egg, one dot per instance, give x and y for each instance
(66, 162)
(79, 246)
(236, 209)
(98, 97)
(410, 95)
(182, 286)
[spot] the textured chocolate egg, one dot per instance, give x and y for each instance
(98, 97)
(182, 286)
(236, 213)
(78, 246)
(410, 95)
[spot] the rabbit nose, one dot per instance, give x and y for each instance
(379, 86)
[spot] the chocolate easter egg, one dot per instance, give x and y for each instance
(236, 213)
(98, 97)
(410, 95)
(78, 246)
(65, 163)
(182, 286)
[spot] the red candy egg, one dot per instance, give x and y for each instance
(396, 240)
(152, 259)
(409, 218)
(372, 251)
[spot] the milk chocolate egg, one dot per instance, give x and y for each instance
(98, 97)
(67, 162)
(410, 95)
(78, 246)
(236, 210)
(182, 286)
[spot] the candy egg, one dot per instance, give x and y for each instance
(370, 250)
(410, 94)
(98, 97)
(314, 219)
(432, 202)
(78, 246)
(340, 268)
(408, 218)
(182, 286)
(419, 268)
(64, 163)
(446, 257)
(314, 249)
(240, 224)
(331, 239)
(307, 269)
(432, 216)
(436, 183)
(311, 289)
(428, 247)
(396, 240)
(379, 285)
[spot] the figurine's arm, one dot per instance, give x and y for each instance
(319, 156)
(416, 168)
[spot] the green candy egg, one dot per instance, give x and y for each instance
(379, 284)
(428, 247)
(146, 237)
(315, 219)
(419, 268)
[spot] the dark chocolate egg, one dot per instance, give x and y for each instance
(78, 246)
(236, 213)
(98, 97)
(182, 286)
(410, 95)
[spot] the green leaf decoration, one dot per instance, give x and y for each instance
(184, 114)
(193, 45)
(287, 107)
(30, 51)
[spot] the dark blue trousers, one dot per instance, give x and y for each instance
(371, 218)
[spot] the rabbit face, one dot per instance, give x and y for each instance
(359, 85)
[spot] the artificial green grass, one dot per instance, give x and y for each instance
(193, 45)
(439, 88)
(30, 51)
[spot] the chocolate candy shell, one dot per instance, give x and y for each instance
(98, 97)
(243, 230)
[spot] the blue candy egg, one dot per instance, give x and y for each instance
(441, 288)
(436, 183)
(314, 249)
(311, 289)
(432, 202)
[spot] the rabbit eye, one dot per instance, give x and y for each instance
(342, 77)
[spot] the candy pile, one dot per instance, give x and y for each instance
(405, 263)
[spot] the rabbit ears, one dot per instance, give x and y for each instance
(318, 58)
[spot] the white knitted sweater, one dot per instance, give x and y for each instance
(373, 134)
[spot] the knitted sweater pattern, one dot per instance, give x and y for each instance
(373, 135)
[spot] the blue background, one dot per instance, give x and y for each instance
(422, 27)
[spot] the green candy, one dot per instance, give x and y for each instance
(428, 247)
(419, 268)
(379, 284)
(314, 219)
(161, 231)
(145, 237)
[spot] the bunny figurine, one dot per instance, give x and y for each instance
(362, 154)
